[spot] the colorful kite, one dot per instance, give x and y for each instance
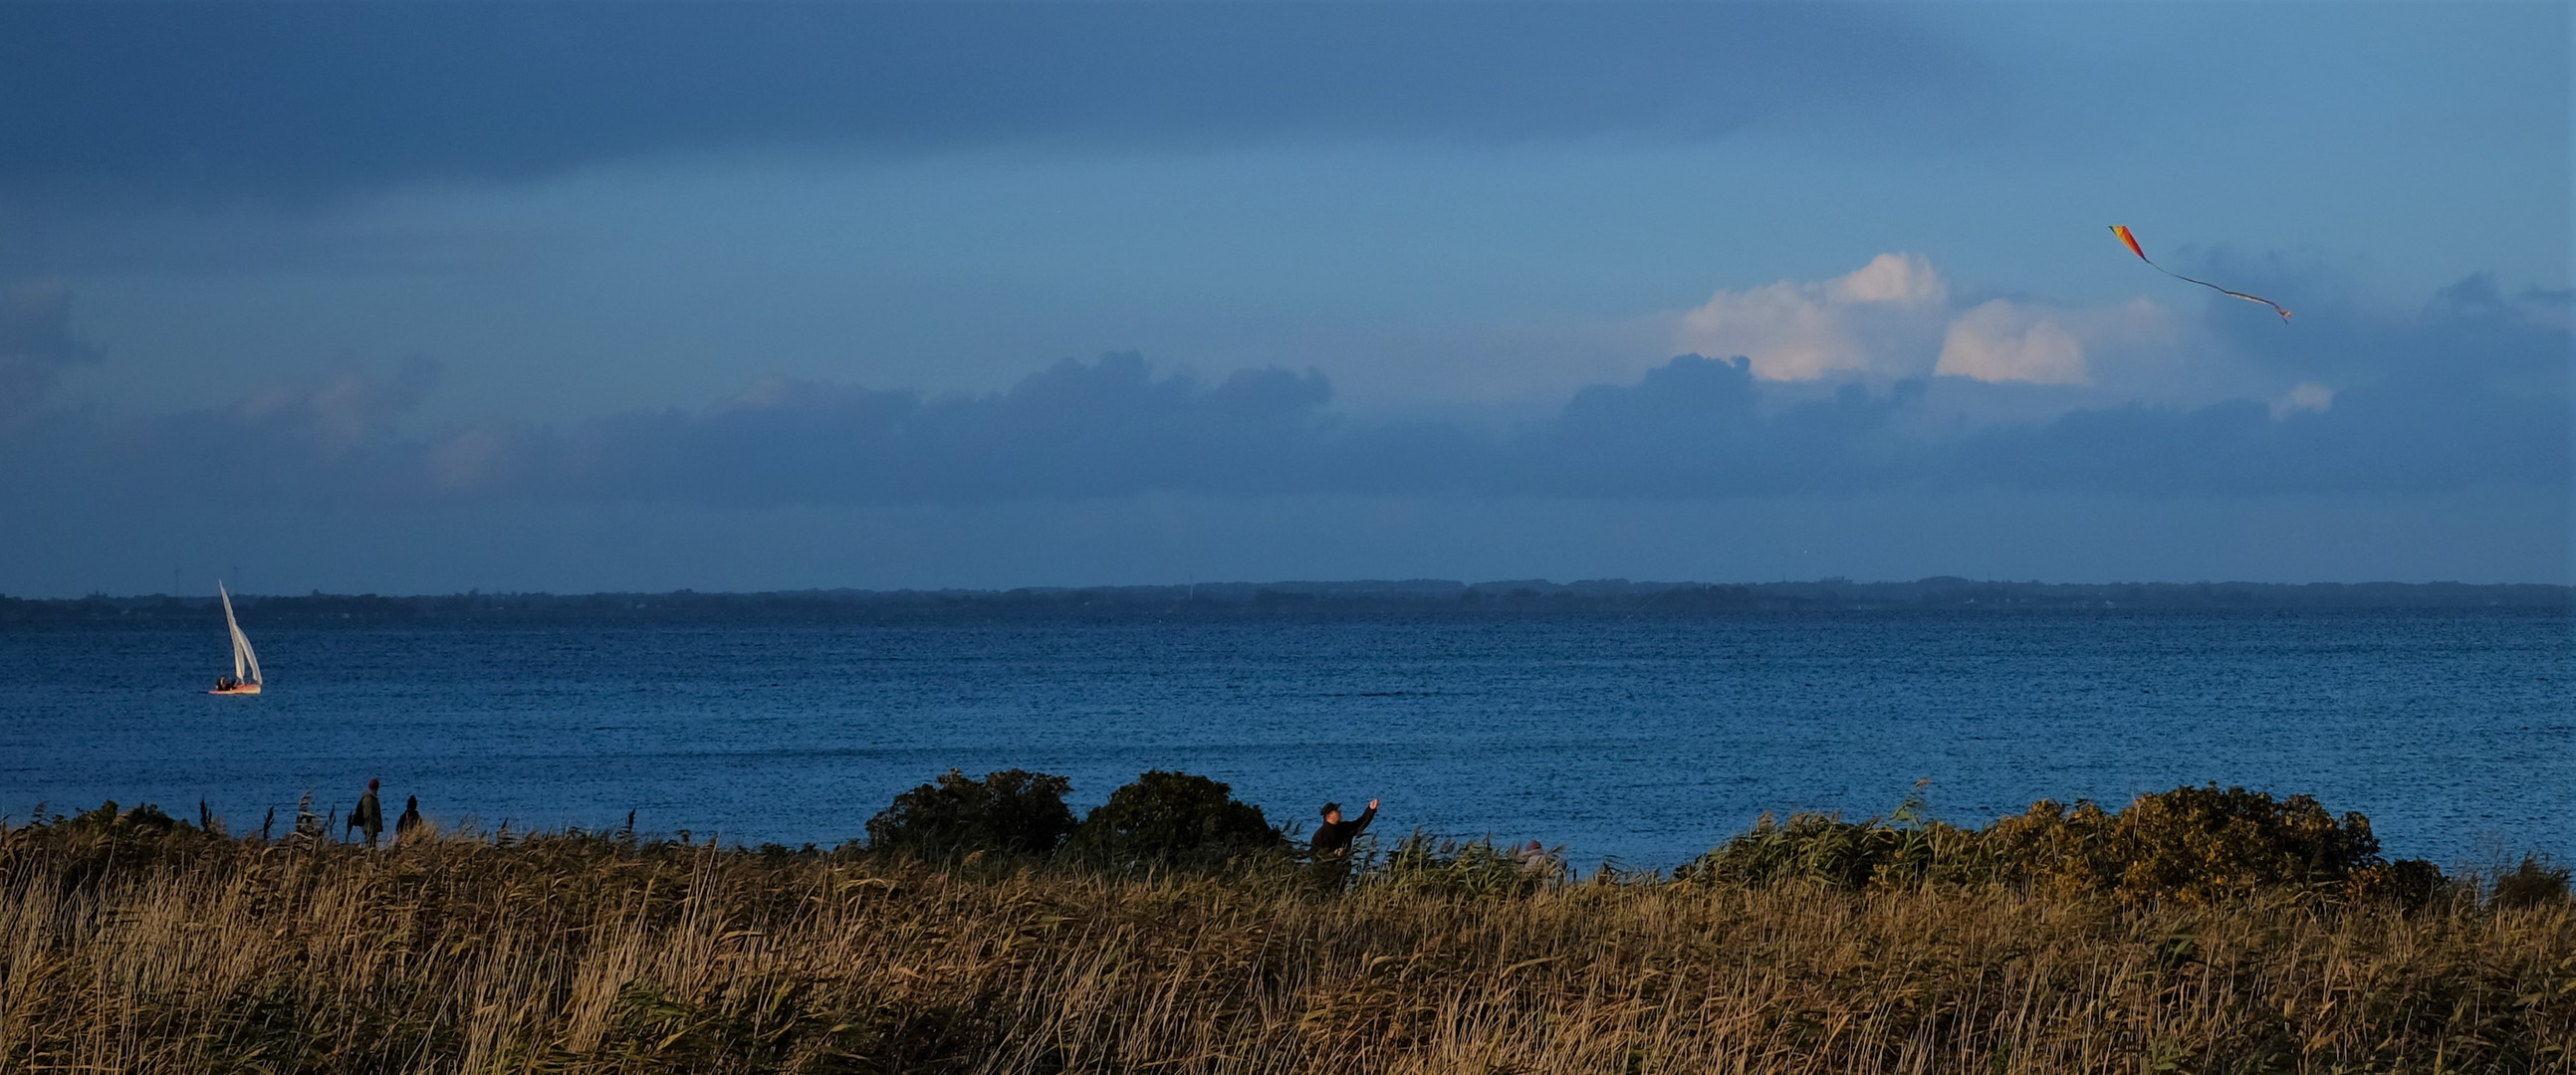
(2122, 230)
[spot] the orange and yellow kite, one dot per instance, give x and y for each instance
(2122, 230)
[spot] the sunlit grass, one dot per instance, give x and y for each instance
(139, 946)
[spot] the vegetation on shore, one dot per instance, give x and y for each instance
(2198, 930)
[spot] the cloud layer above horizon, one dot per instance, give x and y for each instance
(1542, 287)
(1823, 387)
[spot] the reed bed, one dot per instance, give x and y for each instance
(581, 953)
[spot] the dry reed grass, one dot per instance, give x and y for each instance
(594, 954)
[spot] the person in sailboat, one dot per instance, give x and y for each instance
(245, 675)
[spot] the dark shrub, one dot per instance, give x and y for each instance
(1010, 812)
(2535, 883)
(2409, 883)
(1166, 818)
(86, 845)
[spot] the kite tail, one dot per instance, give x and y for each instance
(2131, 241)
(2276, 307)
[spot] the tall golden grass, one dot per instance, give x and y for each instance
(187, 952)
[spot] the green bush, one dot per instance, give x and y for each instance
(1904, 848)
(1009, 812)
(2192, 844)
(1476, 867)
(1827, 850)
(1172, 818)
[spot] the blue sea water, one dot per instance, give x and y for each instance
(1640, 739)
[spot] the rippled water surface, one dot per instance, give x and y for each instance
(1645, 739)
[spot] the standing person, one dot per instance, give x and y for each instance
(409, 821)
(1333, 838)
(369, 817)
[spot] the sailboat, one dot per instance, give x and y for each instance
(245, 677)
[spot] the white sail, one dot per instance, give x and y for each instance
(245, 662)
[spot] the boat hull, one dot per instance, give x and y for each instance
(246, 688)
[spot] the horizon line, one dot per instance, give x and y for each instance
(1355, 587)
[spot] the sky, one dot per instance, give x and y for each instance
(433, 297)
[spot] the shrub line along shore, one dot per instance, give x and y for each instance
(979, 929)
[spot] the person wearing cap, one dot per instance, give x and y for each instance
(369, 817)
(1535, 859)
(1333, 837)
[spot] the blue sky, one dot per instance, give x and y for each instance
(428, 297)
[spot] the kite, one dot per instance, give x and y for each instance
(2122, 230)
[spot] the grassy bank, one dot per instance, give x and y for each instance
(140, 945)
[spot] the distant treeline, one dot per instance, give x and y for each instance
(1250, 599)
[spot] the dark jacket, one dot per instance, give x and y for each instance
(368, 818)
(1334, 837)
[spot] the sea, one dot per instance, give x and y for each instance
(1637, 741)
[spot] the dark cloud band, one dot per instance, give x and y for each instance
(293, 100)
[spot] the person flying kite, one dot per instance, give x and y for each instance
(2122, 230)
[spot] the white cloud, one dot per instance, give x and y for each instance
(1904, 279)
(1900, 317)
(1869, 321)
(2307, 396)
(2005, 341)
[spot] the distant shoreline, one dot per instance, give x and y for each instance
(1233, 600)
